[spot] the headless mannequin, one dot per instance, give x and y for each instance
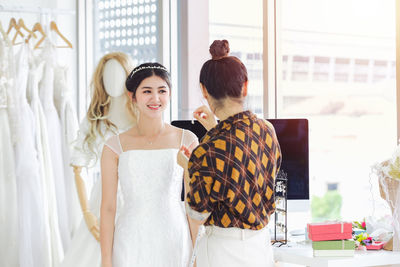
(114, 82)
(114, 77)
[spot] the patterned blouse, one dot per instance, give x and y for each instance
(232, 173)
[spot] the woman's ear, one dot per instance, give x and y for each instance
(204, 91)
(244, 89)
(131, 97)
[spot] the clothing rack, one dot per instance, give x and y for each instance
(38, 10)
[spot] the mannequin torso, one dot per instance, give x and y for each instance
(113, 79)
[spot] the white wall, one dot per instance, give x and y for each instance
(194, 38)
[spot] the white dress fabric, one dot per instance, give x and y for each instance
(33, 238)
(84, 250)
(43, 137)
(151, 229)
(69, 130)
(46, 93)
(8, 187)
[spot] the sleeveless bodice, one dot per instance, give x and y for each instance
(152, 228)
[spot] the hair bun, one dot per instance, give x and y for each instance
(219, 49)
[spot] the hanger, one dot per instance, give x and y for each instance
(18, 28)
(11, 25)
(37, 28)
(4, 34)
(53, 27)
(21, 24)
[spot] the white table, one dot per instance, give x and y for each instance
(302, 254)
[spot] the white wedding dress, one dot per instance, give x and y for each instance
(8, 187)
(46, 93)
(151, 229)
(69, 127)
(34, 237)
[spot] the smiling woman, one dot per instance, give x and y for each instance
(143, 160)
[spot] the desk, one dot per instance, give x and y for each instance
(302, 254)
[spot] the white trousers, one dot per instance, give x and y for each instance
(234, 247)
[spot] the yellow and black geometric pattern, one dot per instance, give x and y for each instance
(232, 173)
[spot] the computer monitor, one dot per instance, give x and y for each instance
(292, 135)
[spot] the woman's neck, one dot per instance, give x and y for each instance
(119, 114)
(228, 108)
(150, 126)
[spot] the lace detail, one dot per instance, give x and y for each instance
(3, 77)
(114, 144)
(152, 228)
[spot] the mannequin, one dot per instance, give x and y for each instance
(109, 113)
(119, 117)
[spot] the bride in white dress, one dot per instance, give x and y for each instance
(152, 228)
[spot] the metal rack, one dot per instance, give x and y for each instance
(280, 194)
(39, 10)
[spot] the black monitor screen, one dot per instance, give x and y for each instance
(293, 139)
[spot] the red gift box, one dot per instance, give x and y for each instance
(329, 231)
(375, 245)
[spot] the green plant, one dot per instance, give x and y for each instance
(327, 207)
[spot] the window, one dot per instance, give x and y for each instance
(342, 69)
(300, 68)
(241, 24)
(321, 69)
(380, 71)
(129, 26)
(347, 49)
(361, 69)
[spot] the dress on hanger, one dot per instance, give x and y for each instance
(8, 187)
(33, 235)
(152, 228)
(84, 250)
(46, 93)
(69, 129)
(55, 248)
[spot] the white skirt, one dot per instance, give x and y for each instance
(234, 247)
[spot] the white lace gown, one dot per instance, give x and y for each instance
(34, 239)
(53, 244)
(8, 187)
(69, 128)
(46, 94)
(151, 229)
